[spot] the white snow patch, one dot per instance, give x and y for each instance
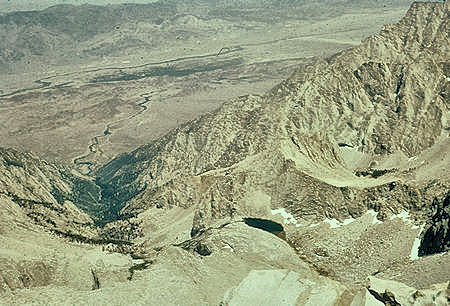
(288, 218)
(412, 158)
(336, 223)
(415, 248)
(333, 223)
(138, 261)
(349, 148)
(371, 212)
(348, 221)
(227, 246)
(404, 215)
(374, 214)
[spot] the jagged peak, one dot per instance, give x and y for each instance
(426, 5)
(418, 28)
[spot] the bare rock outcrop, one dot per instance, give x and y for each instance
(436, 235)
(280, 287)
(395, 293)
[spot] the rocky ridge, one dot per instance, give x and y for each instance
(47, 193)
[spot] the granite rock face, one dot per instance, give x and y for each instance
(436, 237)
(394, 293)
(270, 287)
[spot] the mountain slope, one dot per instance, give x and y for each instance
(46, 192)
(334, 141)
(364, 103)
(45, 239)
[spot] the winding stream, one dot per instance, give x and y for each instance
(94, 146)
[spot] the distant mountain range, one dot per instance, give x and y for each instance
(57, 33)
(58, 30)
